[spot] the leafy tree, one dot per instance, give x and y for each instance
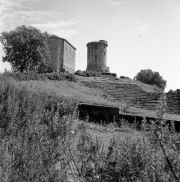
(170, 91)
(151, 77)
(26, 49)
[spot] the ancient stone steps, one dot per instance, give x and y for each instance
(173, 103)
(128, 93)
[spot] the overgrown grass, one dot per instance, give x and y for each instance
(34, 135)
(129, 159)
(37, 144)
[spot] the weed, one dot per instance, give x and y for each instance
(34, 136)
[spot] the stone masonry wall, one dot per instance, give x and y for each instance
(56, 49)
(69, 58)
(98, 113)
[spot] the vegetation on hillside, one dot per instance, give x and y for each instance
(152, 157)
(37, 143)
(124, 77)
(172, 91)
(34, 134)
(88, 73)
(40, 77)
(26, 49)
(151, 77)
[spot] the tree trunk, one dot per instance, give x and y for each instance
(22, 67)
(24, 63)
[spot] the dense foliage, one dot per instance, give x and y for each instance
(151, 77)
(26, 49)
(36, 76)
(172, 91)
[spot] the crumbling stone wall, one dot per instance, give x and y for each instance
(173, 102)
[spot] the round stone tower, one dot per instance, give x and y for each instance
(97, 56)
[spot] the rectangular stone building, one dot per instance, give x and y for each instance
(62, 54)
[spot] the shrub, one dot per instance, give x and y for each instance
(71, 77)
(152, 78)
(172, 91)
(79, 72)
(124, 77)
(88, 73)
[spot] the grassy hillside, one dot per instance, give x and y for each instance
(67, 89)
(42, 140)
(129, 95)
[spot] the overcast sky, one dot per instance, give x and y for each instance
(142, 34)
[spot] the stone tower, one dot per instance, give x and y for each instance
(97, 56)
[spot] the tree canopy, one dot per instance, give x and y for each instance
(26, 49)
(151, 77)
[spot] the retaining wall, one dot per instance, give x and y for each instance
(98, 113)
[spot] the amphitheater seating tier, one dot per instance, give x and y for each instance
(131, 94)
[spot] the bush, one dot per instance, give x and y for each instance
(70, 77)
(124, 77)
(152, 78)
(172, 91)
(88, 73)
(79, 72)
